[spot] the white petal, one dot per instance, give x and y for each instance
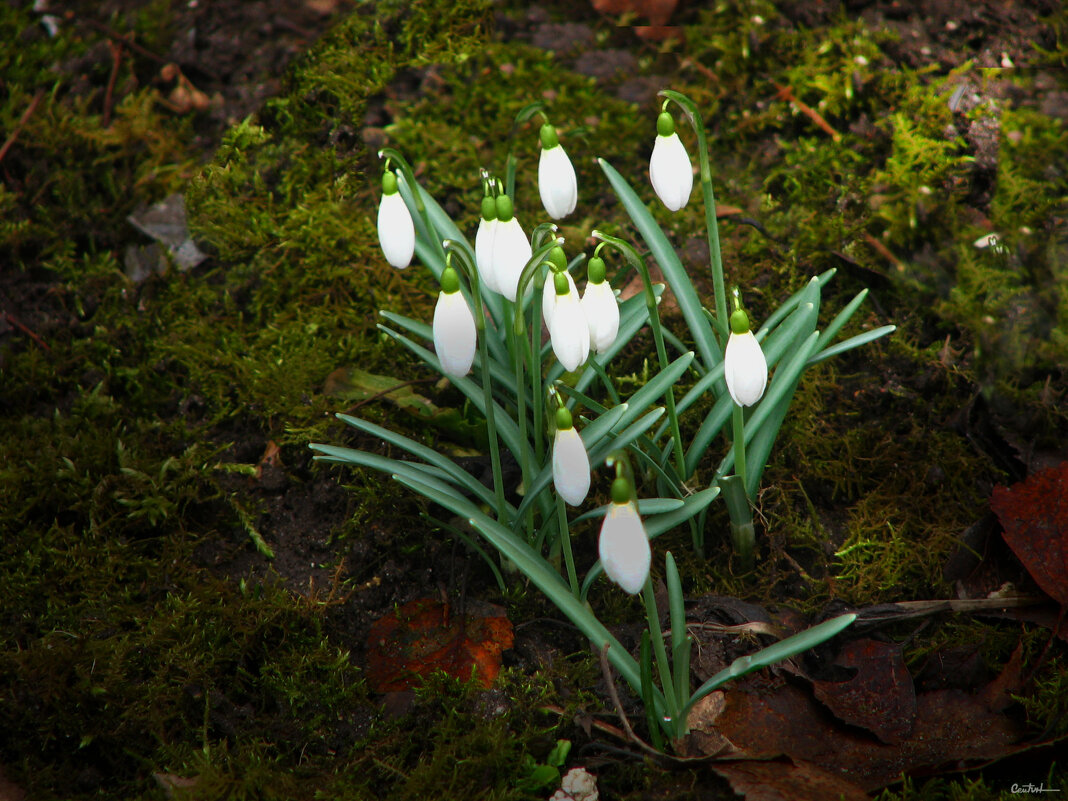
(396, 231)
(602, 315)
(624, 547)
(454, 334)
(484, 253)
(548, 298)
(745, 369)
(511, 252)
(557, 182)
(571, 466)
(670, 171)
(569, 332)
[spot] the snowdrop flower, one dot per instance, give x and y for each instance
(600, 307)
(557, 183)
(744, 366)
(396, 231)
(571, 463)
(487, 228)
(511, 249)
(568, 329)
(624, 545)
(669, 166)
(454, 327)
(558, 265)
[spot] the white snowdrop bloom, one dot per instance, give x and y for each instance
(600, 306)
(511, 249)
(624, 545)
(571, 463)
(454, 327)
(569, 332)
(669, 166)
(548, 297)
(557, 183)
(744, 367)
(396, 231)
(487, 228)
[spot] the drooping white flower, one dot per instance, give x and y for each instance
(487, 228)
(557, 183)
(548, 297)
(600, 306)
(669, 166)
(624, 545)
(396, 231)
(571, 463)
(569, 332)
(454, 327)
(744, 367)
(511, 249)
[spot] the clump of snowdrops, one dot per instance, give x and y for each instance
(555, 406)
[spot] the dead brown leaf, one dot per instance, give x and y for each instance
(782, 780)
(880, 697)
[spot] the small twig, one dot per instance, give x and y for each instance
(884, 251)
(606, 669)
(786, 93)
(21, 124)
(109, 93)
(385, 392)
(117, 37)
(31, 334)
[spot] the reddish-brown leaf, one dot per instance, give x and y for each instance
(423, 636)
(951, 727)
(1034, 514)
(786, 781)
(880, 697)
(657, 12)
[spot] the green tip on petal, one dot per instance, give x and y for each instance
(739, 322)
(563, 419)
(489, 208)
(389, 183)
(560, 282)
(595, 270)
(504, 208)
(665, 124)
(557, 259)
(450, 280)
(549, 139)
(620, 491)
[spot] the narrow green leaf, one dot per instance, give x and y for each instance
(853, 342)
(674, 271)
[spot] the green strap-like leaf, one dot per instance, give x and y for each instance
(674, 271)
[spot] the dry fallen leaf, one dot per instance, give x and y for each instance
(424, 636)
(880, 698)
(1034, 514)
(782, 780)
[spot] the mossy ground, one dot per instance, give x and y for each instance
(155, 430)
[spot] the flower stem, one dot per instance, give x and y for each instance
(663, 666)
(565, 543)
(714, 255)
(739, 443)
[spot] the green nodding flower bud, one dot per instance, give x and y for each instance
(560, 282)
(504, 208)
(450, 281)
(620, 490)
(489, 208)
(563, 419)
(557, 260)
(389, 183)
(548, 136)
(665, 124)
(595, 270)
(739, 322)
